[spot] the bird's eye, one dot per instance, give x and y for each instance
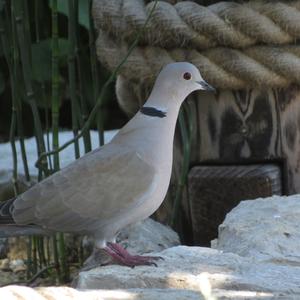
(187, 76)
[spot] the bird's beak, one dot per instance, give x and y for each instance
(205, 86)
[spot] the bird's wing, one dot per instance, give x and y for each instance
(96, 187)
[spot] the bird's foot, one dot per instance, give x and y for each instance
(123, 257)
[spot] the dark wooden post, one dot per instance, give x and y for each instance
(255, 128)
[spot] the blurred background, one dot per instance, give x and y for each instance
(50, 79)
(76, 52)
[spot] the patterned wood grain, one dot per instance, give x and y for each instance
(251, 126)
(235, 128)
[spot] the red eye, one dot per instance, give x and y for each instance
(187, 76)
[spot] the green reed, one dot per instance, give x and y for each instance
(22, 27)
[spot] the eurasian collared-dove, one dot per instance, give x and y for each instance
(120, 183)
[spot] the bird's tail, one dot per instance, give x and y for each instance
(6, 212)
(8, 226)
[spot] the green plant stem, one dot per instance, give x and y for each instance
(16, 106)
(56, 259)
(40, 239)
(12, 136)
(29, 257)
(48, 252)
(63, 258)
(55, 128)
(16, 95)
(82, 92)
(47, 127)
(27, 29)
(34, 254)
(37, 37)
(22, 143)
(72, 74)
(95, 77)
(100, 98)
(55, 85)
(36, 20)
(27, 75)
(81, 253)
(42, 257)
(14, 151)
(14, 109)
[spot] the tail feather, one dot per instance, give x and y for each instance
(8, 226)
(6, 208)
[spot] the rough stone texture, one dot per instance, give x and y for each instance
(140, 238)
(148, 236)
(258, 252)
(263, 233)
(265, 229)
(199, 269)
(50, 293)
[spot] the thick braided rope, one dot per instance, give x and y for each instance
(225, 68)
(188, 24)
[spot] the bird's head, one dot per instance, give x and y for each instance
(180, 79)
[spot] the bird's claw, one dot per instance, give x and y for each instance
(120, 255)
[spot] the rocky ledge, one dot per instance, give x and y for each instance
(256, 256)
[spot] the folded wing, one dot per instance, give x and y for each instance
(95, 188)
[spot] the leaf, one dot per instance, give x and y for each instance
(83, 11)
(41, 58)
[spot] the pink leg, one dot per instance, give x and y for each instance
(122, 251)
(122, 256)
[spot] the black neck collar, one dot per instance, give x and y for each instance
(153, 112)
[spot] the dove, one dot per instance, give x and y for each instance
(120, 183)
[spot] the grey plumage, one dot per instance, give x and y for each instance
(120, 183)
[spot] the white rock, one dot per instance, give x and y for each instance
(265, 229)
(205, 270)
(50, 293)
(140, 238)
(148, 236)
(17, 265)
(258, 257)
(4, 264)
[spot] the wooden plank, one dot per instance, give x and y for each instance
(236, 127)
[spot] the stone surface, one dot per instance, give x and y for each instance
(199, 269)
(148, 236)
(140, 238)
(265, 229)
(51, 293)
(4, 264)
(258, 252)
(17, 265)
(257, 259)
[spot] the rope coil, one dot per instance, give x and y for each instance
(235, 45)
